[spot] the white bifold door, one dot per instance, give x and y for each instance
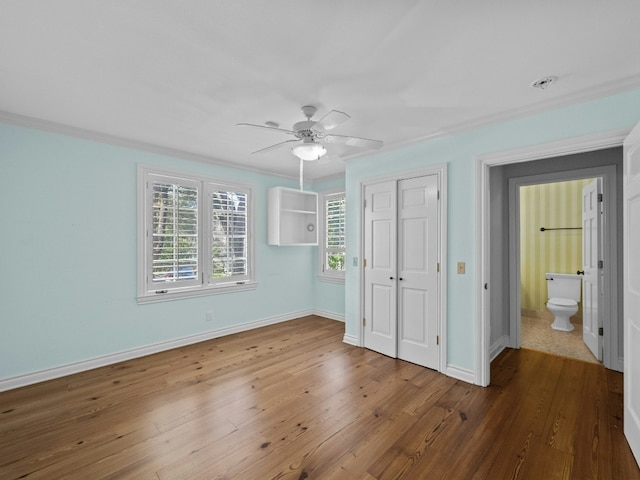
(401, 252)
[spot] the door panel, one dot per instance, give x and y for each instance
(381, 240)
(382, 314)
(417, 275)
(631, 183)
(592, 278)
(380, 302)
(415, 307)
(414, 254)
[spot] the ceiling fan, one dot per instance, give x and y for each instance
(310, 135)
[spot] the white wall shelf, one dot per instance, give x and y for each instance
(292, 217)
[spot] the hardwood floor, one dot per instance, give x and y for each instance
(292, 401)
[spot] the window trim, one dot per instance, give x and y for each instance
(146, 294)
(327, 276)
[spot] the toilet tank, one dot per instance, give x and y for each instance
(564, 285)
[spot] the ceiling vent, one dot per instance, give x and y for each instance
(544, 82)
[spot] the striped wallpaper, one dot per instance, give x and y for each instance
(549, 205)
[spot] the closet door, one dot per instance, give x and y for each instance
(380, 305)
(417, 270)
(400, 275)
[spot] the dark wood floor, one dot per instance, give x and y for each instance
(292, 401)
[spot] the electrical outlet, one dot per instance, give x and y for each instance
(209, 317)
(460, 268)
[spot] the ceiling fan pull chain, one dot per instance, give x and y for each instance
(301, 173)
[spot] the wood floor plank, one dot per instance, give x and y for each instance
(557, 465)
(593, 429)
(318, 461)
(436, 434)
(526, 432)
(469, 413)
(560, 427)
(373, 445)
(293, 401)
(493, 445)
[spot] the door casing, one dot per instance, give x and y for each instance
(483, 164)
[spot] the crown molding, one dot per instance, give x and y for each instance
(586, 95)
(84, 134)
(583, 96)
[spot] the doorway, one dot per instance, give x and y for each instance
(556, 230)
(497, 297)
(609, 300)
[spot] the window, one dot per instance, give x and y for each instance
(195, 236)
(229, 234)
(332, 251)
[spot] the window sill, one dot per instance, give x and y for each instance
(195, 292)
(331, 279)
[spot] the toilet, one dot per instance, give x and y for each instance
(563, 291)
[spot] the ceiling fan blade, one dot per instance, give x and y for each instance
(330, 121)
(274, 147)
(276, 129)
(354, 141)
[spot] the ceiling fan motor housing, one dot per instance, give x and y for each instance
(303, 129)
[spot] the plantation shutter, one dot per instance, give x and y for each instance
(174, 231)
(229, 235)
(335, 233)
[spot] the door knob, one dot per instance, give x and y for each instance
(390, 278)
(580, 272)
(400, 279)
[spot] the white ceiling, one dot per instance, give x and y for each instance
(180, 75)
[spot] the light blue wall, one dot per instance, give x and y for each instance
(68, 256)
(68, 248)
(459, 153)
(329, 296)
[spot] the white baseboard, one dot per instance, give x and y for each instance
(619, 366)
(104, 360)
(460, 374)
(330, 315)
(451, 371)
(498, 347)
(351, 340)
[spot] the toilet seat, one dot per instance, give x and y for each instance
(562, 302)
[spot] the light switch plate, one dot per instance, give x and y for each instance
(460, 268)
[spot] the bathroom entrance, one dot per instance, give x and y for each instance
(576, 168)
(560, 239)
(499, 296)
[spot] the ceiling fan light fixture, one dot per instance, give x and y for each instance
(309, 151)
